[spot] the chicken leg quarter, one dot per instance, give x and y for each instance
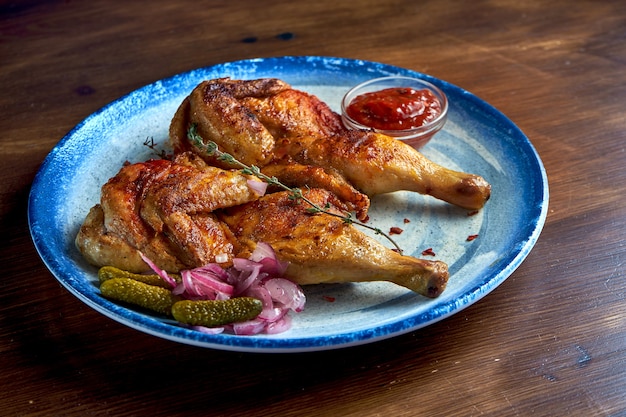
(324, 249)
(265, 122)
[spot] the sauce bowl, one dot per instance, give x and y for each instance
(386, 89)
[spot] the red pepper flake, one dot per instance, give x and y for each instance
(471, 237)
(472, 213)
(407, 221)
(428, 252)
(395, 231)
(329, 299)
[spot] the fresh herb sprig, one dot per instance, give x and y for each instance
(211, 149)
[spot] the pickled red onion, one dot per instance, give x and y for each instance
(158, 271)
(286, 293)
(201, 284)
(258, 186)
(264, 254)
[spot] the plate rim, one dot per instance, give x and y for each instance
(164, 330)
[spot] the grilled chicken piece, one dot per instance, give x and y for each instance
(165, 210)
(324, 249)
(263, 122)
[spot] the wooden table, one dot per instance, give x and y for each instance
(550, 341)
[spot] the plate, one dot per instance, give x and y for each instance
(477, 138)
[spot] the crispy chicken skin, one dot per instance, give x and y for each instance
(263, 122)
(165, 210)
(324, 249)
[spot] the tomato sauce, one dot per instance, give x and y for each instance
(396, 108)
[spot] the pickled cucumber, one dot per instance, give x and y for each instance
(139, 293)
(109, 272)
(216, 312)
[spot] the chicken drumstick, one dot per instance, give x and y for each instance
(324, 249)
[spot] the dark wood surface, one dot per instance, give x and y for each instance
(550, 341)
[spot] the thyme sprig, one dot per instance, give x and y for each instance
(211, 149)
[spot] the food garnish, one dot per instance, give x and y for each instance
(144, 295)
(248, 298)
(212, 313)
(472, 237)
(110, 272)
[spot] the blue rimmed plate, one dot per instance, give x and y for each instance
(477, 138)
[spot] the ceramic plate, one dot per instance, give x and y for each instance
(477, 138)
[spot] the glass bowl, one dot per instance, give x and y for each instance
(415, 136)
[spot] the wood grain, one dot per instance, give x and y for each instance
(550, 341)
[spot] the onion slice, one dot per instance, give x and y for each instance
(158, 270)
(259, 187)
(265, 255)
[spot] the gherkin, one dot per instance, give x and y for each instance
(138, 293)
(211, 313)
(109, 272)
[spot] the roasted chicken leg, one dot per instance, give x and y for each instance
(324, 249)
(265, 122)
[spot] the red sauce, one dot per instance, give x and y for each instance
(396, 108)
